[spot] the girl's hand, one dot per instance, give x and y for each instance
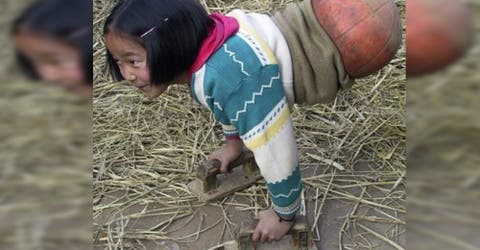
(230, 152)
(269, 227)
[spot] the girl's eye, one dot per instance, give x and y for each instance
(59, 62)
(55, 61)
(135, 63)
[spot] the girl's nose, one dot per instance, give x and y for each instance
(128, 74)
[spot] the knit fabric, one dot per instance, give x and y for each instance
(241, 85)
(318, 71)
(273, 37)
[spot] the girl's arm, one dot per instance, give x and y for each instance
(262, 118)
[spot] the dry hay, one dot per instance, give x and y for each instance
(145, 152)
(443, 142)
(8, 11)
(45, 176)
(45, 158)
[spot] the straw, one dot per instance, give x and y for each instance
(148, 150)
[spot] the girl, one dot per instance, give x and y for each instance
(54, 42)
(239, 67)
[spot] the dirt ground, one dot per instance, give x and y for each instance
(221, 222)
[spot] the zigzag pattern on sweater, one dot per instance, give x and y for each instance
(234, 58)
(289, 193)
(268, 119)
(254, 95)
(255, 46)
(217, 104)
(288, 210)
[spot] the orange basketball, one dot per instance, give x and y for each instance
(367, 33)
(438, 33)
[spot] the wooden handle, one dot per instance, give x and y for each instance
(300, 234)
(212, 167)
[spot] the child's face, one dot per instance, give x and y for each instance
(132, 61)
(54, 61)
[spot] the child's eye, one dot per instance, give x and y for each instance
(135, 63)
(55, 61)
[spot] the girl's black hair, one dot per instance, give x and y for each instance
(69, 21)
(177, 29)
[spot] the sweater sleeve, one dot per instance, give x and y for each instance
(230, 132)
(258, 109)
(201, 84)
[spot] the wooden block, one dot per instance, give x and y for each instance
(224, 185)
(299, 237)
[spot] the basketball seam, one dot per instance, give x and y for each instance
(380, 51)
(374, 13)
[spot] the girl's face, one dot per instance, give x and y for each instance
(54, 61)
(132, 61)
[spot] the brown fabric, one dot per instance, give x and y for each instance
(318, 71)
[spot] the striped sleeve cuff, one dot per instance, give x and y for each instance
(230, 132)
(289, 211)
(286, 194)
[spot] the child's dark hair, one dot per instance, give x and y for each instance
(171, 31)
(69, 21)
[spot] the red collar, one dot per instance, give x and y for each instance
(223, 28)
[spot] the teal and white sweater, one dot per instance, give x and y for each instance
(241, 84)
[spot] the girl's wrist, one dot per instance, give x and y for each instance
(283, 218)
(237, 144)
(233, 138)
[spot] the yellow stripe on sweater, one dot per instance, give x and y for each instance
(270, 132)
(243, 25)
